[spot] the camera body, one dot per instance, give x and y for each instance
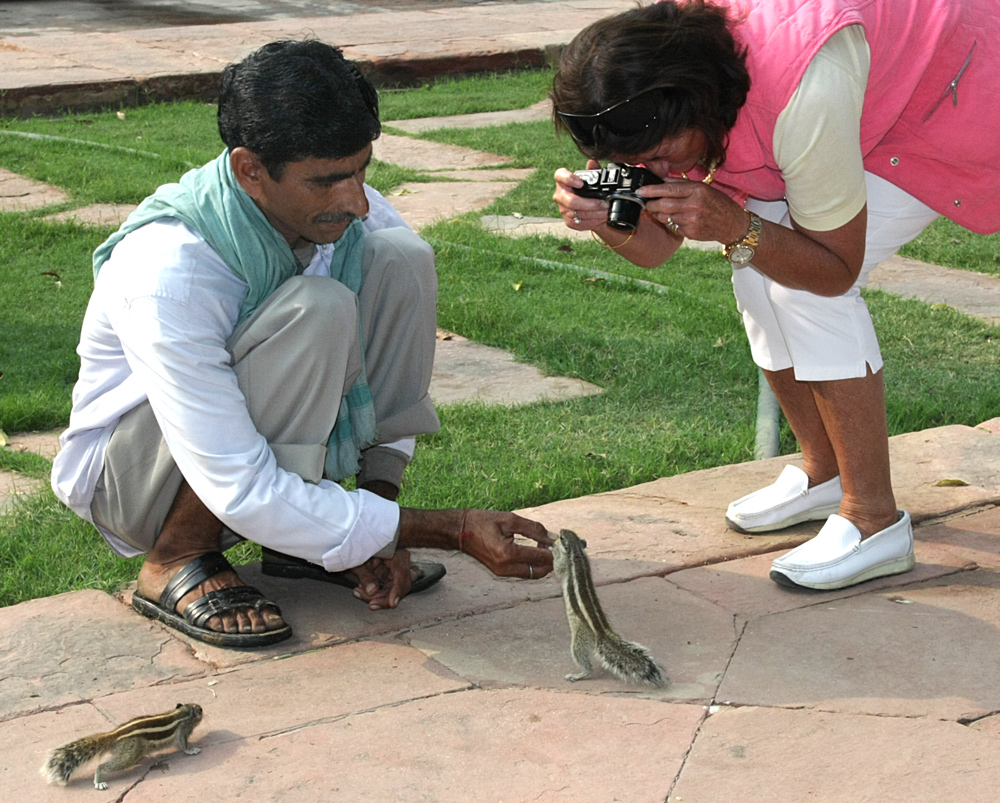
(617, 184)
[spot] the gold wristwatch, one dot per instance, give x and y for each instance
(740, 253)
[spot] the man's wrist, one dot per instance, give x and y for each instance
(429, 529)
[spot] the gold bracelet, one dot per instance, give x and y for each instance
(597, 238)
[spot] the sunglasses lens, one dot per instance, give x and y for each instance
(581, 128)
(624, 119)
(632, 116)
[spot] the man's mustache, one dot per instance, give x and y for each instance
(335, 217)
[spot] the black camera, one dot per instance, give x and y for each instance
(617, 184)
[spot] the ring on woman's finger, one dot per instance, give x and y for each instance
(576, 219)
(531, 572)
(672, 225)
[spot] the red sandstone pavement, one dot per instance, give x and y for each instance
(884, 692)
(52, 72)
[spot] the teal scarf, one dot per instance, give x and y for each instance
(211, 202)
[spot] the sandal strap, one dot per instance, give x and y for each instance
(225, 599)
(191, 576)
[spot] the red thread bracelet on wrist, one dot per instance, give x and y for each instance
(463, 533)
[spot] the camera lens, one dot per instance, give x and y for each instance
(623, 214)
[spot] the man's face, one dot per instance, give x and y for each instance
(316, 199)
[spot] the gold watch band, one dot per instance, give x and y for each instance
(742, 251)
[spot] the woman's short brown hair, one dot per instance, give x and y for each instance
(687, 47)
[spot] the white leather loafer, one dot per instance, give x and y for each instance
(788, 501)
(837, 557)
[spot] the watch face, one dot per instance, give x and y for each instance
(741, 254)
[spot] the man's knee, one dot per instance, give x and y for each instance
(400, 257)
(317, 295)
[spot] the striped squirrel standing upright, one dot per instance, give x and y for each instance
(128, 744)
(589, 626)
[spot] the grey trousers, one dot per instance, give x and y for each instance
(296, 352)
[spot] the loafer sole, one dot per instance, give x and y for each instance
(884, 569)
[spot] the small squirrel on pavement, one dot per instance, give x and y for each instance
(128, 744)
(589, 626)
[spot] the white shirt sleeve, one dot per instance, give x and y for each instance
(817, 138)
(381, 214)
(173, 304)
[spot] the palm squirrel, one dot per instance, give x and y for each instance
(589, 627)
(128, 744)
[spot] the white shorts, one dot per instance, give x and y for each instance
(825, 338)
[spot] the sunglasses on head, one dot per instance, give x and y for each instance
(624, 119)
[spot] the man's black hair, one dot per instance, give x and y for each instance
(289, 101)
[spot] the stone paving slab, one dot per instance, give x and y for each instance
(423, 203)
(970, 536)
(988, 725)
(975, 294)
(692, 639)
(66, 649)
(757, 755)
(420, 154)
(744, 588)
(21, 194)
(13, 485)
(883, 654)
(261, 701)
(538, 112)
(25, 743)
(274, 696)
(45, 444)
(485, 745)
(465, 371)
(95, 214)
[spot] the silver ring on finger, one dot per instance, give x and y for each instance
(576, 219)
(672, 225)
(531, 572)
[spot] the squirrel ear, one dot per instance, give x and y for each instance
(583, 543)
(180, 705)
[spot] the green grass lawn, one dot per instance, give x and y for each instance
(679, 386)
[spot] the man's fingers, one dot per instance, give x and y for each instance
(533, 555)
(528, 562)
(368, 582)
(518, 525)
(401, 582)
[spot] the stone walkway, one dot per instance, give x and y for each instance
(885, 692)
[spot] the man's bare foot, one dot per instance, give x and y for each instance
(154, 577)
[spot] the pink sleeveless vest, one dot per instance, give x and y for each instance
(913, 132)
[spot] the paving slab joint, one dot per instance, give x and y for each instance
(957, 514)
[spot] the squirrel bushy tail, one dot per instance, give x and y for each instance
(64, 760)
(631, 662)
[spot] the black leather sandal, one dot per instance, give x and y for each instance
(192, 621)
(276, 564)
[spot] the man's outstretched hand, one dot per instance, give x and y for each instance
(488, 536)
